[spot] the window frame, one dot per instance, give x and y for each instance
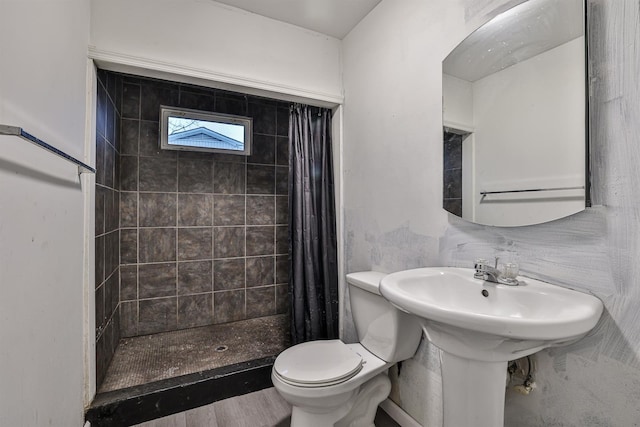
(186, 113)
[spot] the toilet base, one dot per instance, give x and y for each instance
(357, 410)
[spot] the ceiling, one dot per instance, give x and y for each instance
(331, 17)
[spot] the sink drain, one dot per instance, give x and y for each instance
(221, 348)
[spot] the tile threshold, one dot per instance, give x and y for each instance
(137, 404)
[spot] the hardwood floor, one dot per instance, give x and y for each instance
(264, 408)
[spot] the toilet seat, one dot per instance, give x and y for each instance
(317, 364)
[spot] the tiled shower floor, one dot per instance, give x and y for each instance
(149, 358)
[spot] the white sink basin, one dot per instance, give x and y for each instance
(533, 310)
(481, 325)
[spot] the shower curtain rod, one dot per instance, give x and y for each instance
(18, 131)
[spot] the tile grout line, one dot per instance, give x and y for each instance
(137, 321)
(205, 226)
(246, 179)
(212, 221)
(177, 222)
(205, 293)
(275, 214)
(116, 180)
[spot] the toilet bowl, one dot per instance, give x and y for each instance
(330, 383)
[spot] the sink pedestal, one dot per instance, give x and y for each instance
(473, 392)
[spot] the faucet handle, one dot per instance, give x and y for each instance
(480, 266)
(480, 263)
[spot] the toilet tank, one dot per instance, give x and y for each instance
(390, 334)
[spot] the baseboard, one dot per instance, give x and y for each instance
(398, 414)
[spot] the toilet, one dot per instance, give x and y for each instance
(331, 383)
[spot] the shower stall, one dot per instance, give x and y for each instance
(191, 248)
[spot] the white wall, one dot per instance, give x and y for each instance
(42, 89)
(457, 103)
(394, 220)
(530, 133)
(220, 42)
(393, 160)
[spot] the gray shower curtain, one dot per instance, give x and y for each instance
(312, 226)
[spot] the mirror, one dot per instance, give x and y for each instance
(515, 117)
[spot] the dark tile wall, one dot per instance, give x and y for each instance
(452, 191)
(107, 220)
(203, 237)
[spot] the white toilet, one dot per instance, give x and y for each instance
(330, 383)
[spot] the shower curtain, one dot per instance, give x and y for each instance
(313, 278)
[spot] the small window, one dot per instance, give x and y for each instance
(192, 130)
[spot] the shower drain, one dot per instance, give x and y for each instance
(221, 348)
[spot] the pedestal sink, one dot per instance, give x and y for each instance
(480, 326)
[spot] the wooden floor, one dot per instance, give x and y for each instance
(263, 408)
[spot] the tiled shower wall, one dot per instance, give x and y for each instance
(452, 192)
(107, 275)
(203, 237)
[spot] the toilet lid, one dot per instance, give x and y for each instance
(318, 362)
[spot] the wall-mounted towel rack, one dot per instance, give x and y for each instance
(18, 131)
(530, 190)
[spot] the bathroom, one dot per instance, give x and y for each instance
(388, 69)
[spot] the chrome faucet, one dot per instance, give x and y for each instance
(492, 274)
